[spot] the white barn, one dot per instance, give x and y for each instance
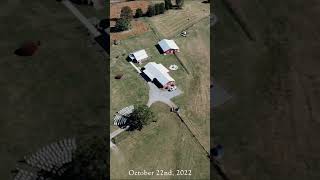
(138, 56)
(159, 74)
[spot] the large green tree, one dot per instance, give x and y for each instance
(151, 10)
(179, 3)
(157, 9)
(139, 13)
(161, 8)
(126, 13)
(122, 24)
(168, 4)
(141, 116)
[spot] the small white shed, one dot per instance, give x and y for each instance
(138, 56)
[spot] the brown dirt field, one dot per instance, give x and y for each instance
(138, 27)
(115, 8)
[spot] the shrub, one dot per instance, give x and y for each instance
(179, 3)
(151, 11)
(139, 13)
(123, 24)
(168, 4)
(126, 13)
(162, 8)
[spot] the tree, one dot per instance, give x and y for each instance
(157, 9)
(151, 10)
(168, 4)
(122, 24)
(141, 116)
(179, 3)
(139, 13)
(126, 13)
(161, 8)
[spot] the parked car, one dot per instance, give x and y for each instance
(172, 88)
(184, 33)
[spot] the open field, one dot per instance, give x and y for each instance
(115, 8)
(138, 27)
(195, 103)
(156, 147)
(173, 22)
(133, 89)
(59, 92)
(269, 127)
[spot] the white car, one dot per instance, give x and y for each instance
(184, 33)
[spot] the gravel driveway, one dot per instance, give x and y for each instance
(159, 95)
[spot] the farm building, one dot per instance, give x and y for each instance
(168, 46)
(159, 75)
(138, 56)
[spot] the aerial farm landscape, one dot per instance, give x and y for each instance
(95, 90)
(160, 63)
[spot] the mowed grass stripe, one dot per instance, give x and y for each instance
(175, 26)
(174, 21)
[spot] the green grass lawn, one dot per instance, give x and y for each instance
(172, 22)
(195, 102)
(59, 92)
(165, 144)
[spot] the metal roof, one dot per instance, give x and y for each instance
(158, 71)
(166, 44)
(140, 55)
